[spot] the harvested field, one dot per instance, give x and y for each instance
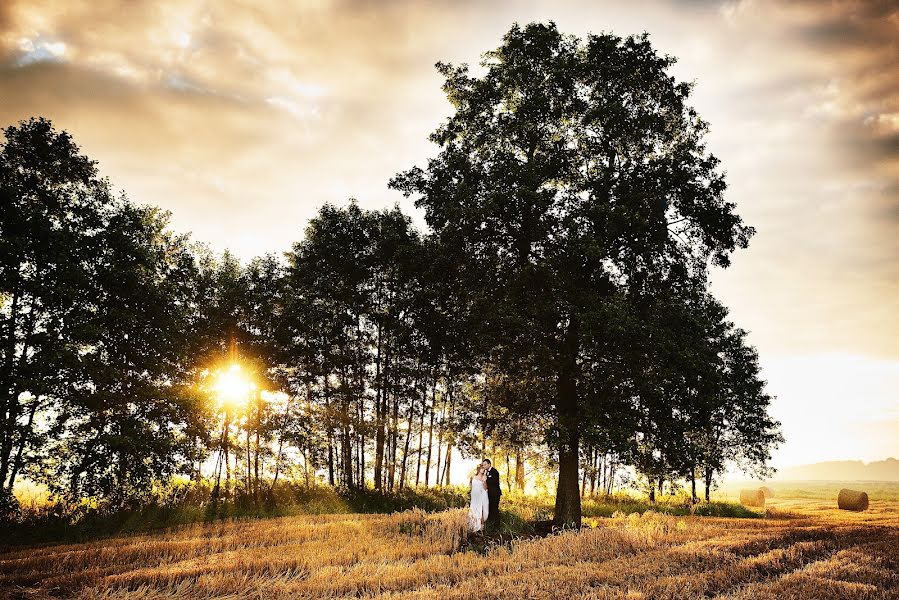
(802, 549)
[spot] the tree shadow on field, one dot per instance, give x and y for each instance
(510, 530)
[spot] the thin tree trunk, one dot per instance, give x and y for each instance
(23, 440)
(216, 490)
(584, 482)
(449, 443)
(409, 418)
(305, 467)
(394, 437)
(257, 447)
(360, 453)
(602, 472)
(431, 432)
(10, 414)
(226, 443)
(346, 440)
(379, 417)
(330, 458)
(249, 473)
(519, 470)
(421, 434)
(439, 464)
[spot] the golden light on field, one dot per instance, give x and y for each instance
(232, 386)
(805, 548)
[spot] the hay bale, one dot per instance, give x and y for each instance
(852, 500)
(769, 493)
(752, 498)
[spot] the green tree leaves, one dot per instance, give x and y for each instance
(572, 175)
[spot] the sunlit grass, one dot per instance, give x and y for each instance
(809, 551)
(45, 520)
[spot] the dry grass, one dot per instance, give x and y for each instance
(802, 549)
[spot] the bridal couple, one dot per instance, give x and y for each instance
(485, 495)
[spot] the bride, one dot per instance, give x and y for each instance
(480, 503)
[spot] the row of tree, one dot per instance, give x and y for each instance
(556, 312)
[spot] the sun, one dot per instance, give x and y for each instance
(232, 386)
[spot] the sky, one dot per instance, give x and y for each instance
(243, 117)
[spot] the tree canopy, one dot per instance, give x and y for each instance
(573, 174)
(555, 313)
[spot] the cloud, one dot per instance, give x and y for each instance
(244, 117)
(861, 42)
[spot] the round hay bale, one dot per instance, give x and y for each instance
(852, 500)
(752, 498)
(769, 493)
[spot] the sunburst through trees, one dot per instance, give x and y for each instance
(556, 314)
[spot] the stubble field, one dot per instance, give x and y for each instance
(804, 548)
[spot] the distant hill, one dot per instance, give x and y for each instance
(835, 470)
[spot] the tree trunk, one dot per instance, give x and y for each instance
(394, 437)
(360, 459)
(278, 463)
(438, 475)
(346, 438)
(568, 499)
(379, 417)
(444, 474)
(421, 434)
(519, 471)
(409, 418)
(431, 432)
(225, 445)
(23, 440)
(347, 454)
(257, 447)
(249, 464)
(9, 414)
(330, 458)
(305, 469)
(449, 443)
(603, 480)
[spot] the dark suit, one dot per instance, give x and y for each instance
(493, 494)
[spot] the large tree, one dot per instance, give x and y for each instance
(570, 170)
(96, 297)
(53, 203)
(123, 419)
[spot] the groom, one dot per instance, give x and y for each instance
(493, 491)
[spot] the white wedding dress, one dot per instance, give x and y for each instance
(480, 505)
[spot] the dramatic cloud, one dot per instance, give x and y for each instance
(242, 118)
